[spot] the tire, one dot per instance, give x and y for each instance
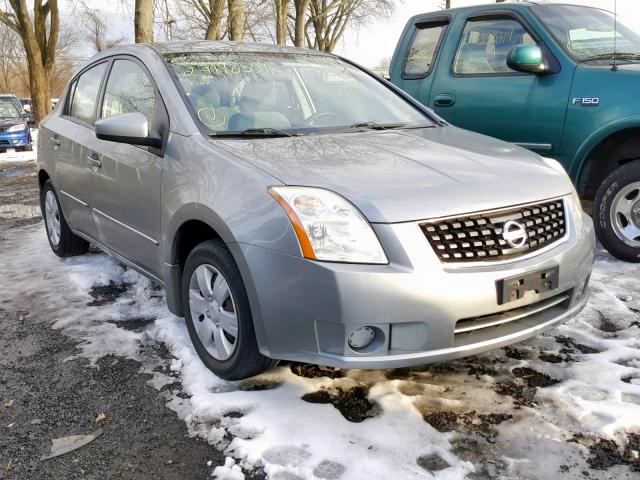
(207, 269)
(617, 212)
(65, 243)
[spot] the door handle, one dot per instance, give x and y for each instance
(56, 141)
(94, 161)
(444, 100)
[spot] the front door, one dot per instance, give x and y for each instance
(479, 92)
(125, 179)
(69, 133)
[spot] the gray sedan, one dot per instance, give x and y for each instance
(295, 206)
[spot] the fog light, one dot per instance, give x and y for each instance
(361, 337)
(16, 141)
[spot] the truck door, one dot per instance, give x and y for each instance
(415, 58)
(474, 88)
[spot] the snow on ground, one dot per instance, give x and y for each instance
(551, 407)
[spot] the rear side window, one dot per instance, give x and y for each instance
(485, 45)
(423, 49)
(128, 90)
(85, 94)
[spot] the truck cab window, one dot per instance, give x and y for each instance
(485, 45)
(423, 49)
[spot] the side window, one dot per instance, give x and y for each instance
(485, 45)
(423, 49)
(85, 93)
(128, 90)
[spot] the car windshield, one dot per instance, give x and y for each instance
(589, 34)
(8, 109)
(287, 94)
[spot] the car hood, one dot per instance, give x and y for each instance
(9, 122)
(406, 175)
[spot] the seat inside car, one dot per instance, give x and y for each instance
(259, 108)
(206, 101)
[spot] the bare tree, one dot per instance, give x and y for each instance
(12, 54)
(143, 21)
(39, 37)
(97, 32)
(301, 8)
(282, 13)
(236, 20)
(330, 18)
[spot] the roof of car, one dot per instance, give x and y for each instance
(206, 46)
(508, 4)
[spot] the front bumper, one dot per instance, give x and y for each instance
(305, 310)
(14, 139)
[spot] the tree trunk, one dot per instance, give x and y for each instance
(282, 11)
(301, 7)
(143, 21)
(236, 20)
(216, 8)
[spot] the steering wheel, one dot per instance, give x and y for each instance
(311, 121)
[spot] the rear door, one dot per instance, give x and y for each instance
(125, 179)
(412, 67)
(70, 132)
(475, 89)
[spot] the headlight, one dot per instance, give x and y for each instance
(17, 128)
(328, 227)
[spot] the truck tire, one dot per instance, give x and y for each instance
(62, 240)
(218, 313)
(617, 212)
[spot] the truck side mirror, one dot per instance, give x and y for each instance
(526, 58)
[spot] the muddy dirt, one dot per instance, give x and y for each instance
(51, 398)
(447, 421)
(533, 378)
(605, 453)
(352, 403)
(315, 371)
(103, 294)
(19, 199)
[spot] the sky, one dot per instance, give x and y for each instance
(369, 45)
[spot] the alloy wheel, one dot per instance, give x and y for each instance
(625, 214)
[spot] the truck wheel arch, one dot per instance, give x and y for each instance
(605, 150)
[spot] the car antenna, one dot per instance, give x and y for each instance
(614, 67)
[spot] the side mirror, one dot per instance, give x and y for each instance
(131, 128)
(526, 58)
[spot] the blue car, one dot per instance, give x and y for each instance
(14, 129)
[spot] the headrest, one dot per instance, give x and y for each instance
(257, 96)
(203, 96)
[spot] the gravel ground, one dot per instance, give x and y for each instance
(46, 397)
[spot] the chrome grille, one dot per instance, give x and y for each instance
(479, 237)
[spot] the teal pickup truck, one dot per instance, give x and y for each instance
(545, 77)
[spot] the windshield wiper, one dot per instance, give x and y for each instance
(378, 126)
(611, 56)
(255, 132)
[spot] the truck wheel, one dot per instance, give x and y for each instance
(617, 212)
(62, 240)
(218, 314)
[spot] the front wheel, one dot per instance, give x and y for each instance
(62, 240)
(617, 212)
(218, 314)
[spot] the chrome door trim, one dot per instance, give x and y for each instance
(84, 204)
(124, 225)
(121, 258)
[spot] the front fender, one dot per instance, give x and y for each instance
(592, 141)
